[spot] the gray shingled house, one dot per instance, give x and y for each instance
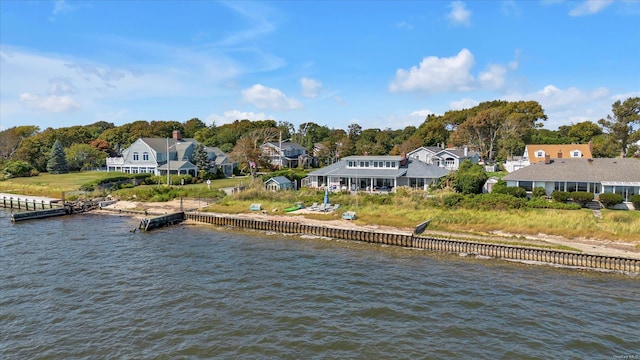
(149, 155)
(598, 175)
(375, 173)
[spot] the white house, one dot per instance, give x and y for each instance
(159, 155)
(375, 173)
(449, 159)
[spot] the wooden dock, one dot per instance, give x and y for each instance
(26, 203)
(38, 214)
(163, 220)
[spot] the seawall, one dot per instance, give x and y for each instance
(510, 252)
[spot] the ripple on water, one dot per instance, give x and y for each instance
(188, 292)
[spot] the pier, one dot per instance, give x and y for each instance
(26, 203)
(160, 221)
(509, 252)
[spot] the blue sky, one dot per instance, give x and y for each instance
(379, 64)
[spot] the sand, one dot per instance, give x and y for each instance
(587, 246)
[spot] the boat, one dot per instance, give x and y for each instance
(295, 207)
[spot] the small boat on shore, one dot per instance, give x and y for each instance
(295, 207)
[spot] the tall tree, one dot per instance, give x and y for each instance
(10, 139)
(201, 160)
(192, 126)
(57, 163)
(497, 124)
(84, 156)
(624, 122)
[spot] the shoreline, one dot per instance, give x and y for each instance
(542, 241)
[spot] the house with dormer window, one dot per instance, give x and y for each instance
(382, 173)
(161, 155)
(535, 153)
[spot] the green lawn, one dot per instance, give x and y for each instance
(52, 185)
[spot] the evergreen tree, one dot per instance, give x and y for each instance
(57, 163)
(200, 159)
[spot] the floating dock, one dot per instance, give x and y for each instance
(38, 214)
(163, 220)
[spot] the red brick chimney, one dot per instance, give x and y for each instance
(176, 135)
(403, 162)
(547, 159)
(559, 154)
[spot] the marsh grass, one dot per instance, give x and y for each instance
(409, 208)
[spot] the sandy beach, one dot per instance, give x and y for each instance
(587, 246)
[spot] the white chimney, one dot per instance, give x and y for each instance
(466, 151)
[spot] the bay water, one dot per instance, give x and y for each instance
(87, 287)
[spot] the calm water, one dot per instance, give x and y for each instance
(86, 287)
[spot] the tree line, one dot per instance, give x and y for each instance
(495, 129)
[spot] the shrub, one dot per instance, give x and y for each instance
(89, 187)
(610, 199)
(635, 200)
(18, 168)
(542, 203)
(582, 197)
(501, 188)
(453, 200)
(560, 196)
(539, 192)
(470, 178)
(493, 202)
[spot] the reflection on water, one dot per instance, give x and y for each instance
(86, 287)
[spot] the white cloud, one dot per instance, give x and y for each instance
(571, 105)
(421, 113)
(551, 97)
(60, 86)
(459, 14)
(51, 103)
(590, 7)
(465, 103)
(436, 74)
(232, 115)
(493, 78)
(269, 98)
(310, 87)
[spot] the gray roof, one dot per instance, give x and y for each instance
(413, 169)
(419, 169)
(280, 180)
(581, 170)
(178, 165)
(287, 145)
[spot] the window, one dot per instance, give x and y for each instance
(145, 156)
(575, 154)
(539, 153)
(527, 185)
(135, 156)
(558, 186)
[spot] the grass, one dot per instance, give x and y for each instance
(400, 210)
(409, 210)
(52, 185)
